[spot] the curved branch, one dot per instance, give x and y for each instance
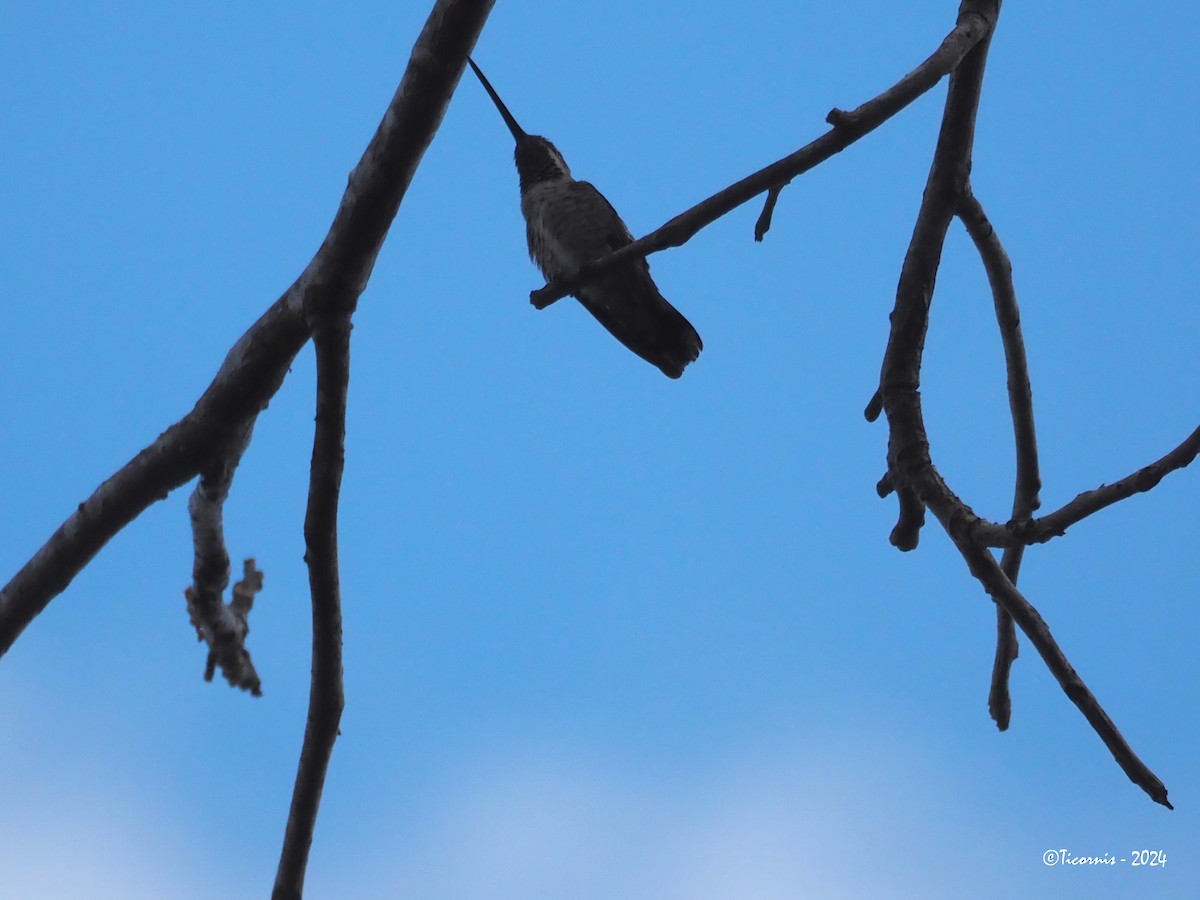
(910, 467)
(1008, 317)
(913, 475)
(372, 198)
(848, 127)
(1020, 401)
(326, 697)
(223, 626)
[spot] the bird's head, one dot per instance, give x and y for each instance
(537, 159)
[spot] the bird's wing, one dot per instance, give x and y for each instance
(615, 234)
(626, 301)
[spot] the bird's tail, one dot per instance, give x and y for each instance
(630, 306)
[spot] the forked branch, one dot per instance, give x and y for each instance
(911, 473)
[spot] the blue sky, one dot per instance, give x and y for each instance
(607, 635)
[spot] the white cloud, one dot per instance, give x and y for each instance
(556, 825)
(86, 845)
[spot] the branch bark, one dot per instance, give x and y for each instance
(984, 567)
(339, 274)
(1056, 523)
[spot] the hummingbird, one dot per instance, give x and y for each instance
(569, 223)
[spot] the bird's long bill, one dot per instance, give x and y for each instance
(517, 131)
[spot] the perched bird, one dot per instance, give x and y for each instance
(569, 223)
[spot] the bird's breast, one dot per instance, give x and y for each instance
(564, 231)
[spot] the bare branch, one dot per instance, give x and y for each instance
(376, 186)
(848, 127)
(1020, 401)
(1008, 317)
(228, 647)
(984, 567)
(973, 23)
(910, 467)
(909, 463)
(326, 697)
(763, 225)
(223, 627)
(1007, 648)
(370, 203)
(1056, 523)
(257, 364)
(249, 376)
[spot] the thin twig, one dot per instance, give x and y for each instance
(848, 127)
(1041, 529)
(245, 382)
(984, 567)
(1056, 523)
(223, 626)
(1028, 481)
(1008, 317)
(326, 696)
(763, 225)
(1007, 647)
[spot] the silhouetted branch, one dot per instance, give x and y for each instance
(227, 637)
(210, 440)
(1020, 400)
(913, 476)
(1008, 317)
(371, 201)
(326, 697)
(910, 468)
(909, 463)
(258, 362)
(1041, 529)
(1007, 648)
(984, 567)
(246, 380)
(223, 626)
(973, 23)
(763, 225)
(1056, 523)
